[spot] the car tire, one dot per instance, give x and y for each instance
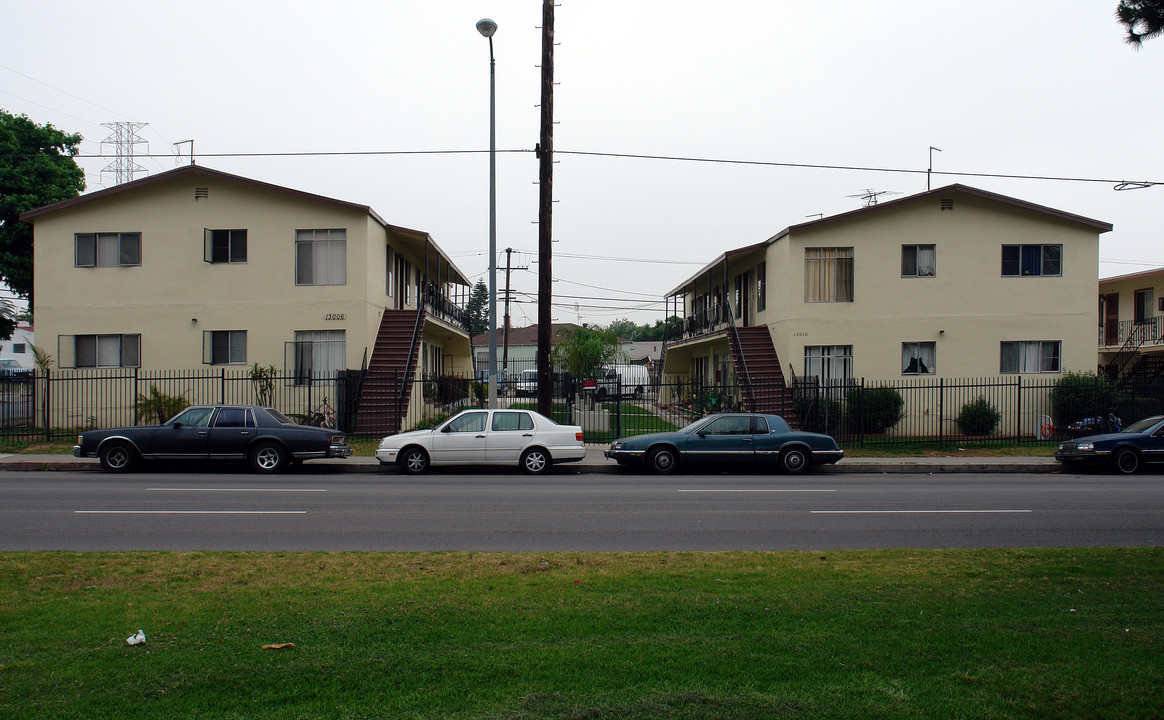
(662, 461)
(536, 461)
(794, 461)
(1126, 461)
(413, 461)
(269, 458)
(118, 457)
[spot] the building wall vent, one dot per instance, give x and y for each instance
(201, 192)
(947, 203)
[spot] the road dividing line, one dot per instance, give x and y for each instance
(277, 490)
(189, 512)
(756, 491)
(909, 512)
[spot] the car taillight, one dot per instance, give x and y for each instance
(337, 439)
(578, 437)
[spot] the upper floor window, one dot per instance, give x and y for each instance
(224, 347)
(1032, 260)
(100, 351)
(19, 348)
(321, 257)
(828, 274)
(918, 261)
(107, 249)
(225, 246)
(1039, 356)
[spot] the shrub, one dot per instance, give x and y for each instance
(877, 408)
(978, 417)
(820, 414)
(429, 423)
(1080, 395)
(159, 405)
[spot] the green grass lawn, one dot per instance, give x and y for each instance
(1072, 633)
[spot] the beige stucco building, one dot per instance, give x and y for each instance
(196, 268)
(1131, 326)
(951, 283)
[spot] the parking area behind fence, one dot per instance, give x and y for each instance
(56, 405)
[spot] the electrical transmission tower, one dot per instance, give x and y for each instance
(123, 136)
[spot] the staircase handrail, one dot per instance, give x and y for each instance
(740, 354)
(1137, 337)
(409, 366)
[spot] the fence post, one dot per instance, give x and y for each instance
(941, 409)
(1018, 418)
(222, 386)
(47, 402)
(136, 392)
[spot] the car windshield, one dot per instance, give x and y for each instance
(1142, 425)
(529, 375)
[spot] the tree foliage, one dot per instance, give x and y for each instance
(36, 168)
(478, 309)
(629, 330)
(584, 351)
(1143, 19)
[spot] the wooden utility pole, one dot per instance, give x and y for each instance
(505, 351)
(545, 204)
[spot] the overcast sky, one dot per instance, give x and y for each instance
(1040, 87)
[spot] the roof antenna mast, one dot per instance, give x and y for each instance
(930, 169)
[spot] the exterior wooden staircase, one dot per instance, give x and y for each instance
(759, 374)
(387, 384)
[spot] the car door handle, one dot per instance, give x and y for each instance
(480, 437)
(527, 435)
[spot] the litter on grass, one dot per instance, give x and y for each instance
(138, 639)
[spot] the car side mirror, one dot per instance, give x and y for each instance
(702, 433)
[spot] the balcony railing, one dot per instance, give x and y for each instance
(441, 306)
(1116, 334)
(705, 321)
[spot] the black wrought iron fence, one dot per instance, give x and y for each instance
(1014, 408)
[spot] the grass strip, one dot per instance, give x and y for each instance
(1032, 633)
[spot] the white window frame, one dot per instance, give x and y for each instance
(109, 350)
(919, 358)
(236, 347)
(1027, 357)
(829, 363)
(316, 355)
(321, 257)
(924, 261)
(825, 273)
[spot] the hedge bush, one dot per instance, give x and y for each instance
(1079, 395)
(877, 408)
(978, 417)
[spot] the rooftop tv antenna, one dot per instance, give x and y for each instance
(178, 151)
(123, 136)
(870, 196)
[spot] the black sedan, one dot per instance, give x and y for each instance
(263, 436)
(732, 439)
(1126, 451)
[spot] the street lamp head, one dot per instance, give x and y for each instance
(486, 27)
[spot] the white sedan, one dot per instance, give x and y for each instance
(524, 438)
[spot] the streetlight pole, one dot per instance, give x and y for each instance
(487, 27)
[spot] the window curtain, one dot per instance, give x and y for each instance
(319, 354)
(321, 257)
(918, 358)
(828, 274)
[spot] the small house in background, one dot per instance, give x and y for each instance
(18, 348)
(1131, 326)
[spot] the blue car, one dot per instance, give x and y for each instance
(1127, 451)
(729, 440)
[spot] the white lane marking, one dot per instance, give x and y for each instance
(189, 512)
(234, 490)
(756, 491)
(909, 512)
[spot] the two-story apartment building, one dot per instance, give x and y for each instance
(1131, 326)
(197, 268)
(955, 282)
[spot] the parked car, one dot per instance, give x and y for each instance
(632, 380)
(11, 371)
(1127, 451)
(526, 384)
(522, 438)
(729, 440)
(263, 436)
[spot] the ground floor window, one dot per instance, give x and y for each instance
(1038, 356)
(317, 355)
(919, 358)
(829, 363)
(224, 347)
(101, 351)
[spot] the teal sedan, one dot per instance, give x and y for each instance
(730, 440)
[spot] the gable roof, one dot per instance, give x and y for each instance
(203, 171)
(947, 190)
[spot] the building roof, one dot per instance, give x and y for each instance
(1098, 225)
(203, 171)
(527, 335)
(1134, 275)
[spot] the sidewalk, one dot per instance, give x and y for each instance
(595, 462)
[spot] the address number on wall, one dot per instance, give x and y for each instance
(334, 316)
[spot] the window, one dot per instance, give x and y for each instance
(828, 275)
(224, 347)
(918, 261)
(388, 262)
(829, 363)
(321, 257)
(1040, 356)
(1142, 310)
(107, 249)
(469, 422)
(224, 246)
(316, 354)
(507, 421)
(1032, 260)
(99, 351)
(729, 425)
(234, 418)
(761, 286)
(19, 348)
(918, 358)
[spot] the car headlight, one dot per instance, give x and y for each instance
(1085, 446)
(616, 445)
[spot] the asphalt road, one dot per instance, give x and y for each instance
(583, 512)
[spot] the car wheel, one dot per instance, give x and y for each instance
(1126, 461)
(793, 461)
(268, 457)
(118, 457)
(639, 393)
(413, 461)
(663, 461)
(536, 461)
